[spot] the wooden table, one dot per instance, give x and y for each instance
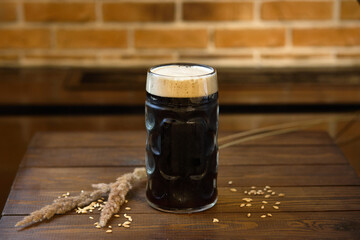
(322, 191)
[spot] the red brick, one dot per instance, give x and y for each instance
(54, 57)
(327, 37)
(350, 10)
(138, 12)
(348, 55)
(8, 58)
(24, 38)
(232, 38)
(296, 10)
(139, 56)
(7, 12)
(215, 56)
(171, 38)
(294, 56)
(217, 11)
(59, 12)
(88, 38)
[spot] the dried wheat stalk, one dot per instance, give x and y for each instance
(63, 205)
(118, 191)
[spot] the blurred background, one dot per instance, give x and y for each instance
(80, 65)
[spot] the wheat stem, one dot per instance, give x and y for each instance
(272, 128)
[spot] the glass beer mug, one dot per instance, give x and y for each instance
(181, 118)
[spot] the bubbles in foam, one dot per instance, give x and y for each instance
(181, 81)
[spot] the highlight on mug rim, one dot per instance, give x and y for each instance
(211, 70)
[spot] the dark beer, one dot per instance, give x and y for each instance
(181, 145)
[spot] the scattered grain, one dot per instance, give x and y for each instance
(230, 182)
(233, 190)
(97, 226)
(262, 207)
(215, 220)
(253, 187)
(276, 207)
(263, 216)
(242, 205)
(91, 217)
(281, 195)
(247, 199)
(245, 192)
(248, 205)
(277, 203)
(264, 202)
(273, 193)
(126, 226)
(126, 223)
(269, 214)
(116, 215)
(119, 224)
(109, 226)
(249, 215)
(109, 231)
(127, 208)
(99, 200)
(267, 196)
(128, 217)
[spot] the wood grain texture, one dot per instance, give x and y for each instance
(137, 139)
(301, 225)
(134, 156)
(70, 179)
(297, 199)
(322, 191)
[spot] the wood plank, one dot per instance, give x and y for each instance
(298, 175)
(134, 156)
(297, 199)
(272, 155)
(89, 139)
(299, 225)
(137, 138)
(84, 157)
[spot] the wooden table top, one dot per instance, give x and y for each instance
(322, 191)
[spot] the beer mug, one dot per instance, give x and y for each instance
(181, 118)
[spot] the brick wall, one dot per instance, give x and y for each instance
(146, 32)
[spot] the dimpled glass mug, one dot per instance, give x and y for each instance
(181, 118)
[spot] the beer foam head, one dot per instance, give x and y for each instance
(181, 80)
